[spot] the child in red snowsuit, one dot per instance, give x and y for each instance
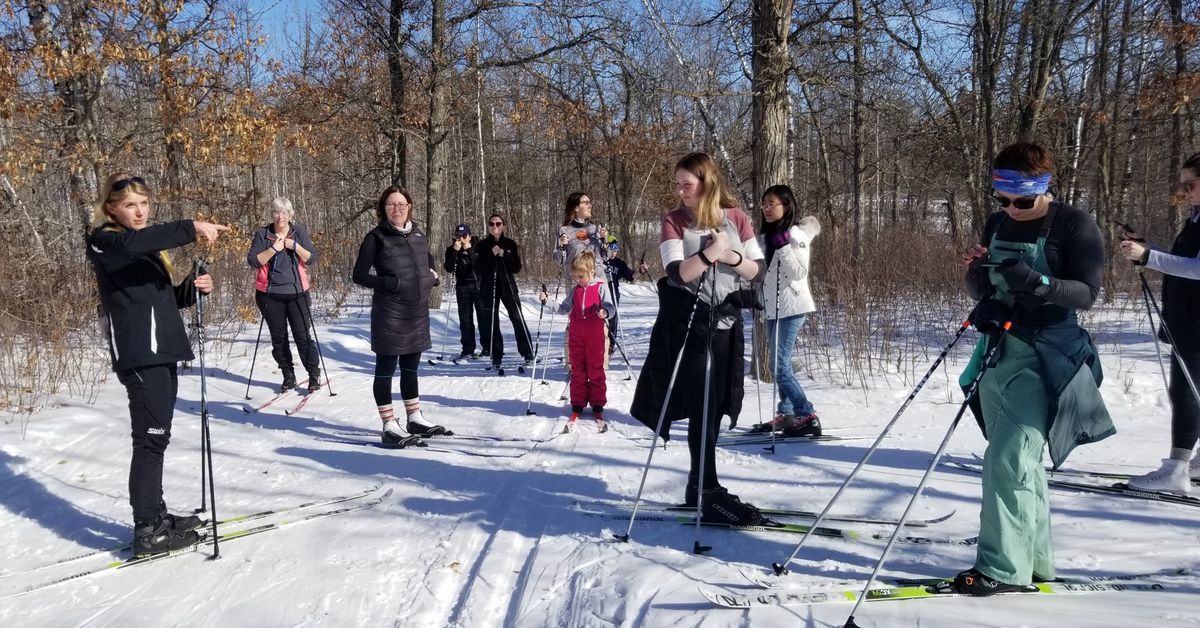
(590, 307)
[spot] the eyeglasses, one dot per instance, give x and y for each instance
(1025, 202)
(495, 224)
(121, 184)
(396, 205)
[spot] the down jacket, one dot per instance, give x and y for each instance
(785, 288)
(399, 268)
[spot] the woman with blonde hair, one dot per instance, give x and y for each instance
(146, 339)
(708, 246)
(282, 252)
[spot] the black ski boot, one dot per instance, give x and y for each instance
(808, 425)
(157, 536)
(183, 523)
(721, 506)
(972, 582)
(289, 380)
(314, 381)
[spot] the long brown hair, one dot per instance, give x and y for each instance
(572, 204)
(716, 196)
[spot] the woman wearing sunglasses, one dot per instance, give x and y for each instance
(1038, 262)
(498, 263)
(146, 339)
(1180, 305)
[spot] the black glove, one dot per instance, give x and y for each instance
(990, 315)
(1019, 276)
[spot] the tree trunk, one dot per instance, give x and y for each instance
(770, 61)
(397, 83)
(439, 115)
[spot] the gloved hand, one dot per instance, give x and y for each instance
(1019, 276)
(781, 239)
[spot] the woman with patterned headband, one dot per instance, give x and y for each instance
(1038, 262)
(146, 339)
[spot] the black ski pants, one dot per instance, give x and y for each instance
(1185, 411)
(692, 378)
(289, 310)
(152, 391)
(470, 308)
(493, 338)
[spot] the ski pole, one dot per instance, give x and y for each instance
(307, 307)
(550, 336)
(1149, 296)
(494, 329)
(261, 319)
(697, 548)
(1152, 305)
(446, 322)
(200, 268)
(781, 568)
(658, 428)
(971, 391)
(537, 347)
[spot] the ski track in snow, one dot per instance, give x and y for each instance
(470, 541)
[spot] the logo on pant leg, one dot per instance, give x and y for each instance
(156, 431)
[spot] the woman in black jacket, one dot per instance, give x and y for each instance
(397, 251)
(281, 254)
(146, 339)
(497, 264)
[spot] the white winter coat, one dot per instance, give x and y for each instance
(789, 271)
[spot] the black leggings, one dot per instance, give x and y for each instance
(151, 391)
(1185, 412)
(385, 368)
(691, 378)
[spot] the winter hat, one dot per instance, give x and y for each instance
(462, 230)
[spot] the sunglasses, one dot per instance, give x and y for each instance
(496, 224)
(1025, 202)
(121, 184)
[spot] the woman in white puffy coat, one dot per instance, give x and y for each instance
(788, 301)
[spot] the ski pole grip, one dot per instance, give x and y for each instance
(199, 267)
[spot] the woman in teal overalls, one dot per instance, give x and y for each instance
(1038, 262)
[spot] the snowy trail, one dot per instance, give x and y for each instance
(470, 541)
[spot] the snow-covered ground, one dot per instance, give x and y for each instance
(494, 541)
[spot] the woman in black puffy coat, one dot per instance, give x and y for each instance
(395, 262)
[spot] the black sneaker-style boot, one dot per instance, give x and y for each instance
(314, 381)
(182, 523)
(721, 506)
(289, 380)
(157, 536)
(972, 582)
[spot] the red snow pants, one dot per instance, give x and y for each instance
(586, 337)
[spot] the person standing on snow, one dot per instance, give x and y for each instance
(461, 258)
(394, 261)
(282, 252)
(146, 339)
(497, 265)
(589, 308)
(707, 246)
(1037, 263)
(1180, 302)
(788, 301)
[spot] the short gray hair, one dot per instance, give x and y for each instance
(281, 202)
